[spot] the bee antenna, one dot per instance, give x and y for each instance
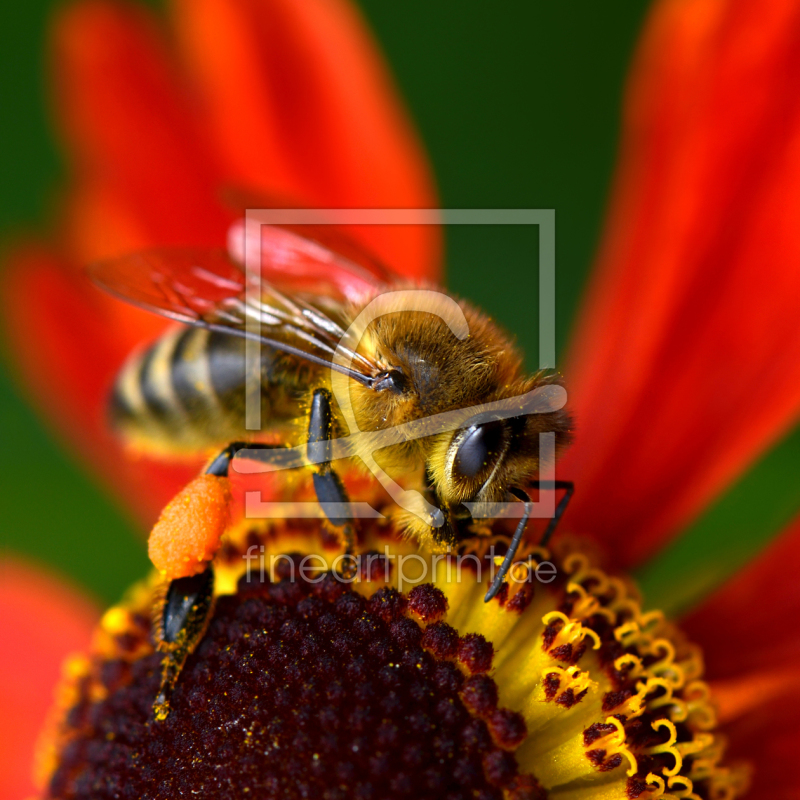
(513, 545)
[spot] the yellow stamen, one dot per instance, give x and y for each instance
(589, 673)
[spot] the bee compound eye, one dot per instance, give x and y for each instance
(478, 448)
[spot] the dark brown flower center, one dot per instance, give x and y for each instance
(300, 690)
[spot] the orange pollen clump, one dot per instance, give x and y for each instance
(188, 532)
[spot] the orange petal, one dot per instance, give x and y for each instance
(130, 127)
(299, 102)
(68, 339)
(684, 368)
(42, 620)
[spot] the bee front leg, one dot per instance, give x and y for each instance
(569, 490)
(331, 494)
(181, 620)
(182, 545)
(516, 539)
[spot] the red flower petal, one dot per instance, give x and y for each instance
(145, 178)
(299, 102)
(685, 365)
(748, 631)
(69, 339)
(41, 621)
(769, 739)
(147, 174)
(131, 133)
(751, 622)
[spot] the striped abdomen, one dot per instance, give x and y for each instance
(187, 391)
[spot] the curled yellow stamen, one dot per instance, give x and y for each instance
(577, 566)
(571, 632)
(630, 663)
(666, 667)
(684, 787)
(697, 696)
(700, 742)
(626, 634)
(614, 743)
(621, 603)
(668, 746)
(660, 787)
(570, 678)
(587, 605)
(678, 709)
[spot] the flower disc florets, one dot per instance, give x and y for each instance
(393, 686)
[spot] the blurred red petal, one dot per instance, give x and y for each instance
(69, 339)
(148, 174)
(770, 740)
(759, 608)
(129, 125)
(96, 222)
(764, 730)
(42, 620)
(684, 367)
(748, 632)
(300, 103)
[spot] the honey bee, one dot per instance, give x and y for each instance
(418, 355)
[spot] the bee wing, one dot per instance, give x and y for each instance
(205, 288)
(298, 252)
(183, 284)
(316, 258)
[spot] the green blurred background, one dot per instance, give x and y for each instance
(518, 104)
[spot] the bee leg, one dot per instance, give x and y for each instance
(220, 466)
(517, 537)
(331, 494)
(181, 620)
(513, 545)
(569, 488)
(184, 610)
(446, 536)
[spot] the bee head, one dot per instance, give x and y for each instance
(486, 456)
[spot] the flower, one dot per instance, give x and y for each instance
(402, 684)
(155, 138)
(154, 127)
(46, 620)
(684, 303)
